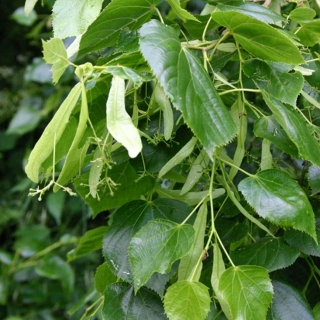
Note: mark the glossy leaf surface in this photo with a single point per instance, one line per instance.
(270, 253)
(188, 86)
(156, 246)
(120, 302)
(286, 207)
(258, 38)
(186, 300)
(247, 290)
(309, 33)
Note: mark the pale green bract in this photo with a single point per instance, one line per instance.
(119, 122)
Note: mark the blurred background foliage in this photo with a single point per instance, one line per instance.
(36, 281)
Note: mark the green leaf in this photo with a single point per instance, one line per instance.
(269, 128)
(104, 276)
(187, 300)
(275, 79)
(316, 311)
(180, 12)
(117, 16)
(119, 123)
(128, 187)
(78, 149)
(270, 253)
(72, 17)
(51, 134)
(55, 203)
(55, 268)
(191, 264)
(127, 221)
(304, 135)
(247, 290)
(258, 38)
(187, 84)
(55, 53)
(289, 304)
(285, 207)
(120, 302)
(309, 33)
(183, 153)
(302, 14)
(91, 241)
(314, 179)
(26, 20)
(304, 242)
(29, 5)
(253, 10)
(156, 246)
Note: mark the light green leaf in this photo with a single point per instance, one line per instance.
(258, 38)
(314, 179)
(285, 207)
(120, 302)
(115, 18)
(180, 12)
(309, 33)
(26, 20)
(91, 241)
(302, 14)
(156, 246)
(304, 242)
(187, 300)
(253, 10)
(78, 150)
(72, 17)
(29, 5)
(119, 122)
(269, 128)
(218, 269)
(196, 171)
(127, 221)
(95, 173)
(103, 277)
(182, 154)
(275, 79)
(55, 53)
(191, 264)
(304, 135)
(247, 290)
(289, 304)
(51, 134)
(266, 156)
(187, 84)
(270, 253)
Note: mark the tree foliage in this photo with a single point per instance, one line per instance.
(199, 133)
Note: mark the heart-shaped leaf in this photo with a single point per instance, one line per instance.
(156, 246)
(279, 199)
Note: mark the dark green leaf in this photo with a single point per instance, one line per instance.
(258, 38)
(156, 246)
(90, 242)
(314, 179)
(309, 33)
(304, 135)
(127, 188)
(196, 28)
(55, 203)
(253, 10)
(270, 253)
(269, 128)
(187, 300)
(117, 16)
(104, 276)
(285, 207)
(304, 242)
(247, 290)
(316, 311)
(275, 79)
(120, 302)
(127, 221)
(187, 85)
(289, 304)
